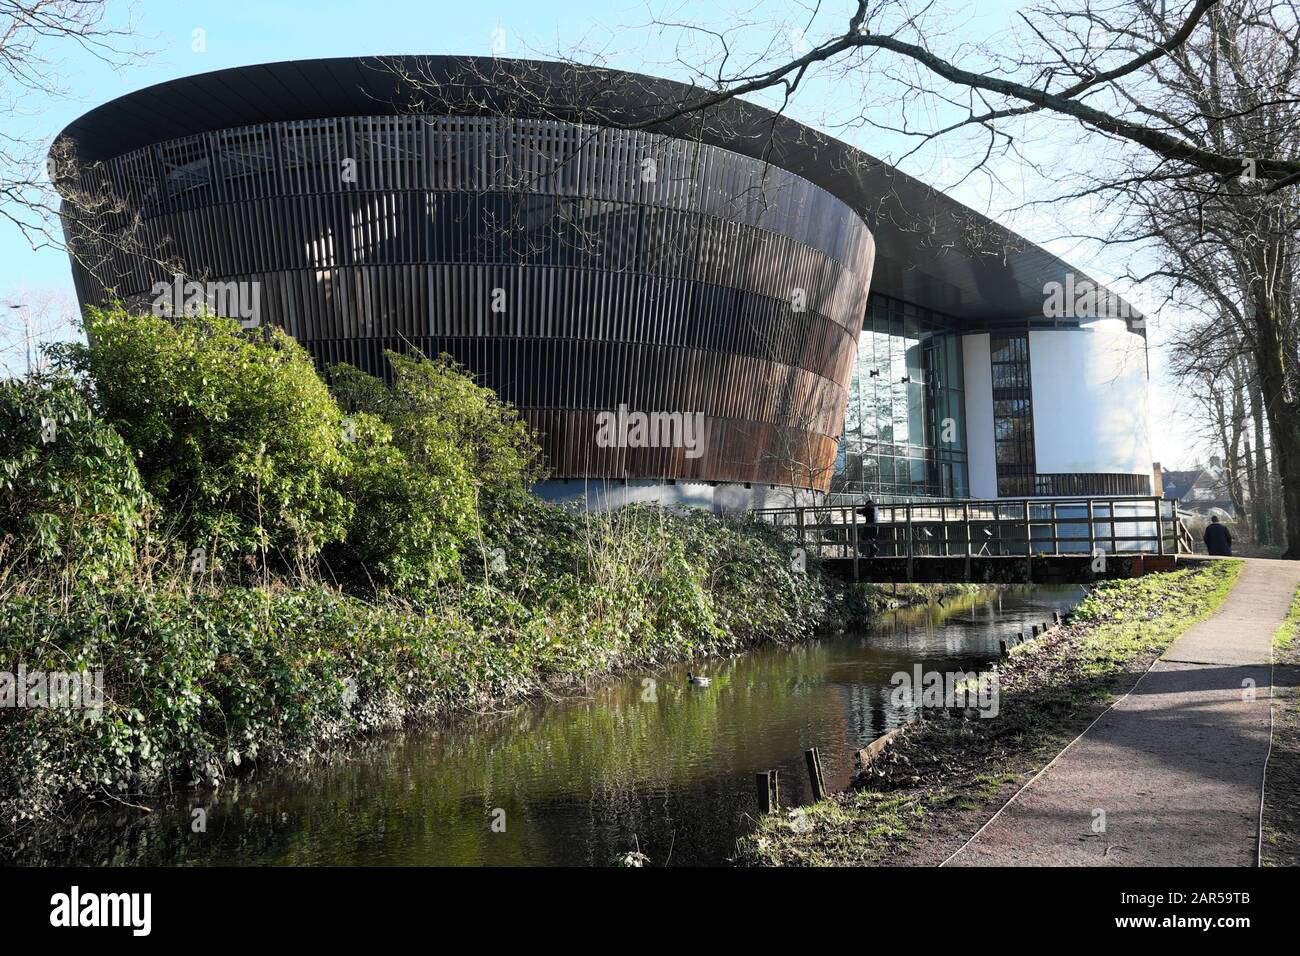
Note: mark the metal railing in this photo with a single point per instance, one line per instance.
(1001, 527)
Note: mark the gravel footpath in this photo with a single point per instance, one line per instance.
(1171, 775)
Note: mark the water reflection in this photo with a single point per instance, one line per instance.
(644, 761)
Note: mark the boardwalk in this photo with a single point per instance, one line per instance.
(1175, 767)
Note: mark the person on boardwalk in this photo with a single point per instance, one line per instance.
(1218, 539)
(869, 530)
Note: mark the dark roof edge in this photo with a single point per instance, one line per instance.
(931, 249)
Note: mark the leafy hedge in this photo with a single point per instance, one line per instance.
(70, 495)
(197, 683)
(236, 436)
(375, 559)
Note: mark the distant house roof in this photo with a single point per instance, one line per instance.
(1178, 483)
(1201, 489)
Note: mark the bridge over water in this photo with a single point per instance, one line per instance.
(1037, 540)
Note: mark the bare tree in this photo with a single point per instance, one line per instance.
(1088, 64)
(29, 320)
(1225, 250)
(32, 34)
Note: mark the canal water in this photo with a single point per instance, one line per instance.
(641, 762)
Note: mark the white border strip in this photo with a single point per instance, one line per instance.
(1263, 780)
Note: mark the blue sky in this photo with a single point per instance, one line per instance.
(239, 32)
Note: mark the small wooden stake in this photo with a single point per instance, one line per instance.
(1003, 646)
(1056, 617)
(818, 782)
(767, 786)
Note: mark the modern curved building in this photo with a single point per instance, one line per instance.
(716, 306)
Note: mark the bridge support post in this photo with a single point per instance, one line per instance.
(1029, 548)
(853, 537)
(909, 542)
(1160, 529)
(965, 520)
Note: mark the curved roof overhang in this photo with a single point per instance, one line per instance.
(931, 250)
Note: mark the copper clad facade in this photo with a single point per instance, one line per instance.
(573, 268)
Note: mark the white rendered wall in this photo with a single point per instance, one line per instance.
(978, 384)
(1089, 400)
(602, 494)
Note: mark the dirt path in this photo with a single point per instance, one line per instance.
(1170, 776)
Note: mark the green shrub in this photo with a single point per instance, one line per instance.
(71, 499)
(234, 433)
(244, 449)
(454, 429)
(402, 533)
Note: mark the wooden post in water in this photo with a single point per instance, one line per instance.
(1003, 646)
(1056, 617)
(763, 789)
(1034, 630)
(765, 786)
(815, 777)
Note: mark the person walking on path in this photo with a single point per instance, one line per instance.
(1218, 539)
(869, 530)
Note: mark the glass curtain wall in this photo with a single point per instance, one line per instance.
(904, 430)
(1013, 415)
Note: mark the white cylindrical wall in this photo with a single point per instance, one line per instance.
(1090, 400)
(978, 385)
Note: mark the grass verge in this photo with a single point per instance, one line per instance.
(1281, 824)
(934, 786)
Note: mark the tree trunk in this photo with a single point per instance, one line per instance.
(1283, 417)
(1249, 513)
(1262, 503)
(1230, 429)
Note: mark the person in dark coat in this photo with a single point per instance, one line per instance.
(1218, 539)
(869, 530)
